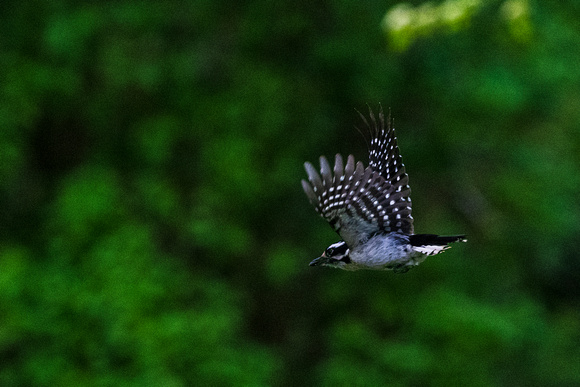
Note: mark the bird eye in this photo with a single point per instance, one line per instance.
(330, 251)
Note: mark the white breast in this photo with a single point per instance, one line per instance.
(383, 252)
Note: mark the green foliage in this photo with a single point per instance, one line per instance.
(153, 230)
(403, 24)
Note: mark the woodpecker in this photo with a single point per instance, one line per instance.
(370, 208)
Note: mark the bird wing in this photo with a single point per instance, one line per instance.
(357, 202)
(384, 156)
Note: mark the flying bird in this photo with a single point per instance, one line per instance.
(370, 208)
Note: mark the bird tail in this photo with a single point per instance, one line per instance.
(431, 244)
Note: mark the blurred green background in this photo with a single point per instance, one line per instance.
(153, 230)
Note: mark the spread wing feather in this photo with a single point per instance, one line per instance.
(357, 201)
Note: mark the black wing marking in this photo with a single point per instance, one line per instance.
(384, 156)
(357, 202)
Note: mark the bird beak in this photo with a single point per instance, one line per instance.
(318, 260)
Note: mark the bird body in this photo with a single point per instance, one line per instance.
(370, 208)
(390, 251)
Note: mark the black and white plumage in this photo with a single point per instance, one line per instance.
(370, 208)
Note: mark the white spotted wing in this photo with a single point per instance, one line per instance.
(359, 202)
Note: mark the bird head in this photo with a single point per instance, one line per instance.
(335, 255)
